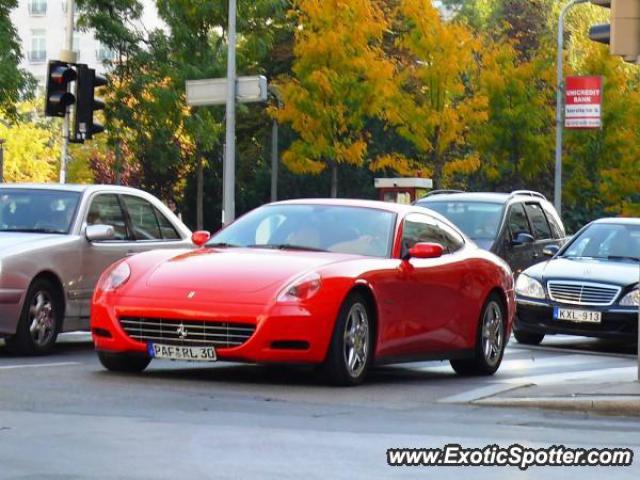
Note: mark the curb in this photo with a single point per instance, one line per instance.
(622, 405)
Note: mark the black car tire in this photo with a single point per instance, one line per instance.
(528, 338)
(40, 320)
(123, 362)
(480, 364)
(353, 331)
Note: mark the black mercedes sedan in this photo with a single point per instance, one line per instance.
(589, 287)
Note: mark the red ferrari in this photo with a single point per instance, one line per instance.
(339, 283)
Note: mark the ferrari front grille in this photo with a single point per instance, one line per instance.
(187, 332)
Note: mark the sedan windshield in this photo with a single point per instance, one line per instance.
(610, 241)
(478, 220)
(36, 210)
(331, 228)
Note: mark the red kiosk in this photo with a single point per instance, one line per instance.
(402, 190)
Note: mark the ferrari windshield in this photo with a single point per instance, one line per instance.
(611, 241)
(478, 220)
(37, 210)
(331, 228)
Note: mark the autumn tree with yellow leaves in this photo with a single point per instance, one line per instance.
(340, 78)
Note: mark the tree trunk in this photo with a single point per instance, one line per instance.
(200, 194)
(334, 180)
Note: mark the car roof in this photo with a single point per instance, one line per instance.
(470, 196)
(348, 202)
(69, 187)
(619, 220)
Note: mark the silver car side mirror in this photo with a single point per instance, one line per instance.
(96, 233)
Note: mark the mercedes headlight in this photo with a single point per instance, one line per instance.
(529, 287)
(631, 299)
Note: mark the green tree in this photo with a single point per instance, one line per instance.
(14, 82)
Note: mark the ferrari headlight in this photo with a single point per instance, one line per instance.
(301, 289)
(528, 287)
(631, 299)
(116, 277)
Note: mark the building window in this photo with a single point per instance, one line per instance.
(37, 7)
(38, 51)
(105, 54)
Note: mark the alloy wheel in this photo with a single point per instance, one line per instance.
(42, 320)
(356, 340)
(492, 333)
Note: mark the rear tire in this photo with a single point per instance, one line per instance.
(528, 338)
(351, 349)
(40, 320)
(490, 341)
(123, 362)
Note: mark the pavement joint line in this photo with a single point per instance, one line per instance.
(471, 396)
(570, 351)
(38, 365)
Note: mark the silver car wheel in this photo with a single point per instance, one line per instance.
(356, 340)
(42, 320)
(492, 333)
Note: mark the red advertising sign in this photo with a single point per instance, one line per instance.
(583, 105)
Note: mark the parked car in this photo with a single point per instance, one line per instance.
(342, 283)
(589, 287)
(55, 241)
(517, 226)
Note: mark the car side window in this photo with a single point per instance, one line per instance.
(556, 228)
(419, 229)
(518, 220)
(166, 227)
(538, 221)
(451, 240)
(105, 209)
(143, 218)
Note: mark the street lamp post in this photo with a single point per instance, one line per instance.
(1, 160)
(229, 167)
(557, 193)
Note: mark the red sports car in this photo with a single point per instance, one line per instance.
(339, 283)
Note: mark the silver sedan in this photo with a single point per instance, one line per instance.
(55, 241)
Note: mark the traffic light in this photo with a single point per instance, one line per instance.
(58, 97)
(87, 104)
(623, 33)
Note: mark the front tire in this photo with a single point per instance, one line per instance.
(123, 362)
(40, 320)
(351, 348)
(490, 341)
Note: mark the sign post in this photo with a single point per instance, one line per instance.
(583, 105)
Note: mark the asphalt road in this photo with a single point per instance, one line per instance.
(64, 417)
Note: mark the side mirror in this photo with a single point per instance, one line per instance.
(425, 250)
(200, 237)
(97, 233)
(550, 250)
(523, 238)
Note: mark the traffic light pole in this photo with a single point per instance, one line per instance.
(67, 55)
(557, 191)
(229, 167)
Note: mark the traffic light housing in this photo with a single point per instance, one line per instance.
(58, 97)
(87, 104)
(623, 33)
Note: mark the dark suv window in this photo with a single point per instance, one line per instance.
(518, 220)
(538, 221)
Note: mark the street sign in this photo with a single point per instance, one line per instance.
(583, 105)
(213, 91)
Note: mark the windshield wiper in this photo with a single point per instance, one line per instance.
(623, 257)
(288, 246)
(221, 245)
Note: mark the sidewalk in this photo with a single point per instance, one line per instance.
(614, 398)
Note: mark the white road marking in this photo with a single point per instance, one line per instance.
(38, 365)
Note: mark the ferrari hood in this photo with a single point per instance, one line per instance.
(236, 270)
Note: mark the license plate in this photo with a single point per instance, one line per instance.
(175, 352)
(573, 315)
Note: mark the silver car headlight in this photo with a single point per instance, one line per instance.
(631, 299)
(528, 287)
